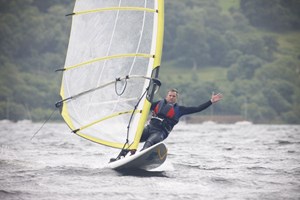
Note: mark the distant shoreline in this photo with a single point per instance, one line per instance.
(223, 119)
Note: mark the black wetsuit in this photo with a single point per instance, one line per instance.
(160, 126)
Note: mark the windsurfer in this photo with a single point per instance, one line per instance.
(166, 114)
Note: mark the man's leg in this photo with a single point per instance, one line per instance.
(154, 138)
(145, 134)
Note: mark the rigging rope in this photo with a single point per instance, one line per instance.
(124, 86)
(43, 124)
(125, 151)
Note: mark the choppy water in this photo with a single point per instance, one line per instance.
(204, 162)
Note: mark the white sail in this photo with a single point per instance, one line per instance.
(114, 49)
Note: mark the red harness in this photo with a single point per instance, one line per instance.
(164, 109)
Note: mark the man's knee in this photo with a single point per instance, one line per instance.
(145, 134)
(155, 138)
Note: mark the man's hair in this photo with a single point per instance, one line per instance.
(173, 90)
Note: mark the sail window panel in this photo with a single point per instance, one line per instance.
(138, 3)
(122, 67)
(92, 4)
(98, 105)
(103, 129)
(90, 37)
(138, 62)
(81, 79)
(105, 101)
(99, 73)
(82, 5)
(133, 33)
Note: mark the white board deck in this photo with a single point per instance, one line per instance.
(147, 159)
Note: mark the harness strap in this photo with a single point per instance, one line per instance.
(164, 109)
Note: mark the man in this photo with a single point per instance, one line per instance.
(166, 114)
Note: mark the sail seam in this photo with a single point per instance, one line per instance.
(140, 39)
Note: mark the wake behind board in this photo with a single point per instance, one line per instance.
(147, 159)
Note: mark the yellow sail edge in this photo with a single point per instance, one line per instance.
(68, 120)
(156, 63)
(64, 111)
(109, 58)
(159, 12)
(103, 142)
(115, 8)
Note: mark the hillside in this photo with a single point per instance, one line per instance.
(248, 50)
(252, 86)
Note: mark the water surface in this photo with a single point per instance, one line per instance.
(205, 161)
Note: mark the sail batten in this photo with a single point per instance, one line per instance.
(114, 47)
(115, 9)
(109, 58)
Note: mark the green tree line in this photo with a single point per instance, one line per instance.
(256, 47)
(252, 45)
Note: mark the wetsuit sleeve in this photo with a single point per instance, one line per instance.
(190, 110)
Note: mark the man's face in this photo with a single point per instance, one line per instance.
(171, 97)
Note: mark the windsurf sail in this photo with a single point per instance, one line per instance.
(110, 70)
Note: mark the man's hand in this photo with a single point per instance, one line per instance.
(216, 97)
